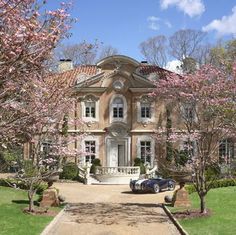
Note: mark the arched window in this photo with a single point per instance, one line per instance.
(118, 108)
(90, 109)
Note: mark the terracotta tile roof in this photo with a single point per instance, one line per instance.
(148, 69)
(71, 76)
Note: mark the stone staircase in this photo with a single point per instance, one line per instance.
(92, 179)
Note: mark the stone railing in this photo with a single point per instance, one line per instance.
(123, 170)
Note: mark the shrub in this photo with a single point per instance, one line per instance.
(213, 172)
(96, 162)
(70, 171)
(215, 184)
(22, 185)
(139, 162)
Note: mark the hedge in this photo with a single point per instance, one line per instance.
(20, 184)
(215, 184)
(70, 171)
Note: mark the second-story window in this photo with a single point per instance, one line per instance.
(188, 112)
(118, 108)
(145, 110)
(90, 109)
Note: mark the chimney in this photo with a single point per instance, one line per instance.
(64, 65)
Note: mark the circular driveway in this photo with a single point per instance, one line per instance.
(111, 210)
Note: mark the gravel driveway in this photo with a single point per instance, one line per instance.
(111, 210)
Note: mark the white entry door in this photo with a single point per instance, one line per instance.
(116, 153)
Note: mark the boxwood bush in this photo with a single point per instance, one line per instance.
(70, 171)
(216, 184)
(96, 162)
(139, 162)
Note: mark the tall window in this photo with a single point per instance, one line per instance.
(90, 148)
(189, 148)
(145, 110)
(226, 151)
(90, 109)
(46, 148)
(118, 108)
(188, 112)
(145, 151)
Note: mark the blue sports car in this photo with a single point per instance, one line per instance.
(154, 185)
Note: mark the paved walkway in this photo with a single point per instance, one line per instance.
(111, 210)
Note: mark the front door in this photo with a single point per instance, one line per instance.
(116, 152)
(121, 154)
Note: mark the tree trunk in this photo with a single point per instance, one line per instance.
(203, 204)
(31, 200)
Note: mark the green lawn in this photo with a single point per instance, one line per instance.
(222, 202)
(12, 220)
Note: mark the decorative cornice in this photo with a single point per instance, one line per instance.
(87, 131)
(142, 131)
(91, 89)
(141, 89)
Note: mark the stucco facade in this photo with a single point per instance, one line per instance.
(119, 116)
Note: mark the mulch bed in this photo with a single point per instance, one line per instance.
(190, 214)
(41, 212)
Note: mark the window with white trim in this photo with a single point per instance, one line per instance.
(189, 147)
(145, 151)
(90, 148)
(90, 109)
(145, 110)
(46, 148)
(226, 151)
(118, 108)
(188, 112)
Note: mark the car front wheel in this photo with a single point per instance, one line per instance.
(156, 188)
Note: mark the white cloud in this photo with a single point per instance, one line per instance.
(226, 25)
(153, 22)
(168, 24)
(189, 7)
(174, 66)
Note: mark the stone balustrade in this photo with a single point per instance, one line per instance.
(117, 175)
(124, 170)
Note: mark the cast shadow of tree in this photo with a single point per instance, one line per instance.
(113, 213)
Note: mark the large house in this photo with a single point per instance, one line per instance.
(120, 117)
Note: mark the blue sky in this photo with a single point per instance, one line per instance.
(124, 24)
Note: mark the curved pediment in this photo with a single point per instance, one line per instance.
(118, 61)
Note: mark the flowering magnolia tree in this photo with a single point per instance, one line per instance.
(205, 102)
(27, 39)
(34, 106)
